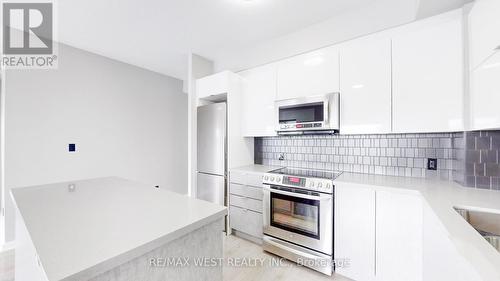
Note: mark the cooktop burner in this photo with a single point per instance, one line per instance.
(321, 174)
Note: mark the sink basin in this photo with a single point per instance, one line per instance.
(487, 224)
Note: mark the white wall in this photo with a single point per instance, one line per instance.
(198, 67)
(125, 121)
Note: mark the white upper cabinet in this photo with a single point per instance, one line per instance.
(365, 81)
(428, 71)
(484, 27)
(310, 74)
(213, 85)
(258, 96)
(485, 95)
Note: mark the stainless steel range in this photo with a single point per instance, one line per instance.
(298, 216)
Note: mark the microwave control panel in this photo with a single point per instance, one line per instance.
(301, 126)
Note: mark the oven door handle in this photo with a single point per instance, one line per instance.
(298, 195)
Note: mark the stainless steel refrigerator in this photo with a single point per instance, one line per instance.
(212, 151)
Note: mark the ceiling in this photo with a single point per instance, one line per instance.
(159, 34)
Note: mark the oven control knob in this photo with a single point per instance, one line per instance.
(266, 178)
(311, 184)
(272, 178)
(320, 185)
(278, 179)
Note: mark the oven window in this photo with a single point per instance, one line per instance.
(312, 112)
(295, 214)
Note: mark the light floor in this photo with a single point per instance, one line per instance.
(236, 248)
(239, 251)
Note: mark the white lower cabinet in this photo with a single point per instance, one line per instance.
(379, 233)
(398, 236)
(246, 221)
(441, 259)
(245, 204)
(355, 231)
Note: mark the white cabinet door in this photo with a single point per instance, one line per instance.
(398, 236)
(485, 94)
(310, 74)
(428, 73)
(259, 95)
(441, 260)
(365, 80)
(355, 231)
(484, 23)
(213, 85)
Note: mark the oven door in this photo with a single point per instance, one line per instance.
(300, 217)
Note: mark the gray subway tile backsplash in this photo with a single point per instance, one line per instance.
(479, 163)
(470, 158)
(394, 154)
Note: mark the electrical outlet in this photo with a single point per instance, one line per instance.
(157, 186)
(432, 164)
(71, 147)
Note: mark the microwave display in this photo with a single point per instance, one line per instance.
(313, 112)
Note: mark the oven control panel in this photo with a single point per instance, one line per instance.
(314, 184)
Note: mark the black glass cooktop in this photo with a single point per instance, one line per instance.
(307, 173)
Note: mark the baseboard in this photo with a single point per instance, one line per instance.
(8, 246)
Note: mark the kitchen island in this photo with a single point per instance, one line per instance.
(114, 229)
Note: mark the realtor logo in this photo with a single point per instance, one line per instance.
(35, 23)
(28, 35)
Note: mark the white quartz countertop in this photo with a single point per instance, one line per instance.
(441, 197)
(256, 168)
(104, 222)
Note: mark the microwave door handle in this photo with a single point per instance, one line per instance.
(326, 110)
(298, 195)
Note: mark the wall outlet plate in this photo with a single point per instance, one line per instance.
(432, 164)
(71, 147)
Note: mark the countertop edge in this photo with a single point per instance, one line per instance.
(143, 249)
(255, 168)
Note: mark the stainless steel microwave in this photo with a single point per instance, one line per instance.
(309, 114)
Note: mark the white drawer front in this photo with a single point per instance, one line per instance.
(246, 221)
(238, 177)
(245, 202)
(246, 191)
(255, 179)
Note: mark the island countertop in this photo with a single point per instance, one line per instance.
(84, 228)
